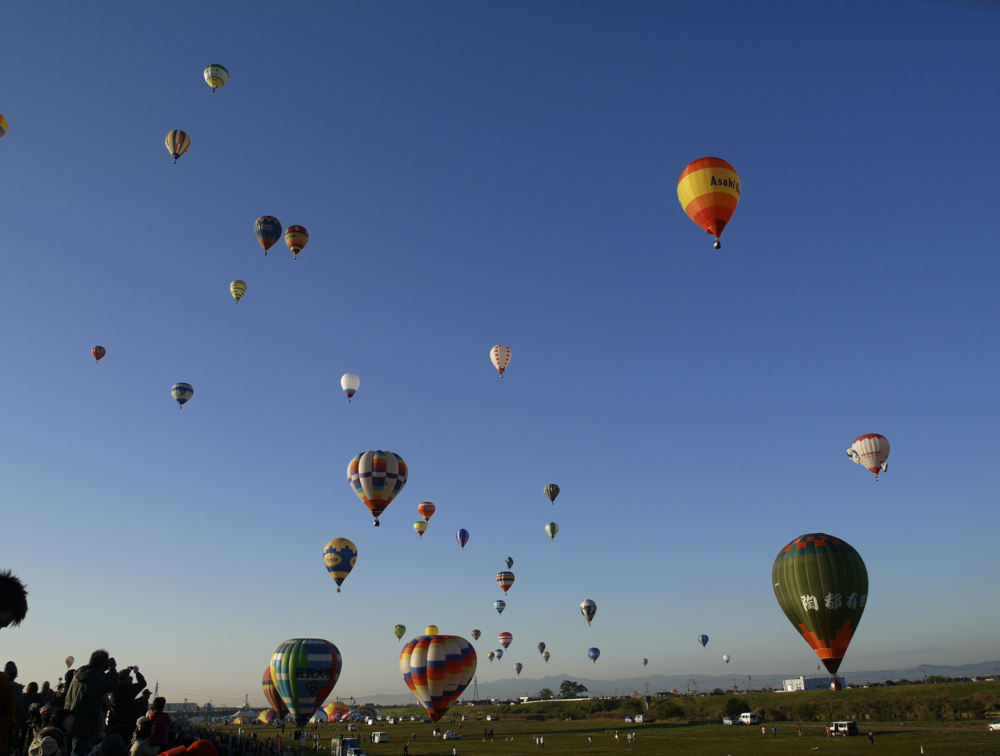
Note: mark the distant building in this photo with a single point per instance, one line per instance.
(810, 683)
(175, 708)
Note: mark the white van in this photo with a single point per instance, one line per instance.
(380, 737)
(844, 728)
(749, 718)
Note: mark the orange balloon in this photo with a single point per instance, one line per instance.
(709, 190)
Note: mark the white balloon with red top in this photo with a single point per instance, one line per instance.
(500, 355)
(870, 451)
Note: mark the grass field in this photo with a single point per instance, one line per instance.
(563, 738)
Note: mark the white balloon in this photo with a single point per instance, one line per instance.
(500, 355)
(350, 383)
(870, 451)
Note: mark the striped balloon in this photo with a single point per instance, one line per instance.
(304, 671)
(499, 653)
(505, 579)
(296, 237)
(505, 639)
(268, 230)
(821, 583)
(438, 669)
(499, 606)
(552, 491)
(552, 528)
(182, 393)
(216, 76)
(177, 144)
(518, 667)
(238, 288)
(709, 190)
(500, 355)
(268, 716)
(340, 556)
(350, 383)
(377, 477)
(420, 527)
(476, 634)
(271, 693)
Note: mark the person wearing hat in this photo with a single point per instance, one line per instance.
(141, 705)
(123, 700)
(85, 698)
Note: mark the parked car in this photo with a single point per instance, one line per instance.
(995, 725)
(628, 719)
(728, 721)
(844, 728)
(451, 735)
(355, 752)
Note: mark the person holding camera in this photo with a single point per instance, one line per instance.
(85, 698)
(123, 700)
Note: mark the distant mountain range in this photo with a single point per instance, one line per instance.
(514, 688)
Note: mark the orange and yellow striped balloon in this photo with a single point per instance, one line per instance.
(709, 190)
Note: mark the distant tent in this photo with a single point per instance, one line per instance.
(319, 716)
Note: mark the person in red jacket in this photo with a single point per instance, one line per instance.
(161, 724)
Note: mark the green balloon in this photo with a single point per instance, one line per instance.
(552, 491)
(398, 631)
(822, 586)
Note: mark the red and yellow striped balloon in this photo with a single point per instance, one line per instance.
(438, 669)
(709, 190)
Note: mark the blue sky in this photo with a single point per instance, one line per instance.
(474, 174)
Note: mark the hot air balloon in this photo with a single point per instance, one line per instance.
(709, 190)
(271, 693)
(645, 662)
(541, 648)
(821, 584)
(304, 671)
(238, 288)
(420, 527)
(499, 606)
(268, 231)
(296, 237)
(426, 510)
(399, 631)
(69, 661)
(268, 716)
(871, 451)
(340, 556)
(98, 353)
(182, 393)
(588, 609)
(552, 491)
(593, 653)
(518, 667)
(500, 355)
(552, 528)
(216, 76)
(377, 477)
(505, 639)
(703, 640)
(725, 658)
(505, 579)
(509, 562)
(546, 656)
(350, 383)
(463, 537)
(499, 653)
(177, 144)
(336, 709)
(3, 125)
(475, 635)
(438, 669)
(490, 655)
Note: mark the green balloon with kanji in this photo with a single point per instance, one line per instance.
(822, 585)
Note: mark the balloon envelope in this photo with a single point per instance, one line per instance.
(505, 579)
(398, 631)
(476, 634)
(271, 693)
(552, 528)
(505, 639)
(182, 393)
(546, 656)
(541, 648)
(420, 527)
(552, 491)
(216, 76)
(490, 655)
(703, 640)
(518, 667)
(463, 537)
(340, 556)
(350, 383)
(499, 653)
(98, 352)
(177, 144)
(296, 237)
(871, 452)
(821, 583)
(588, 609)
(238, 289)
(69, 661)
(509, 562)
(304, 671)
(499, 606)
(725, 658)
(377, 477)
(500, 355)
(426, 510)
(268, 230)
(438, 669)
(3, 125)
(709, 190)
(593, 653)
(645, 662)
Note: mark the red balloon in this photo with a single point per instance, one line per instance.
(98, 352)
(271, 693)
(426, 510)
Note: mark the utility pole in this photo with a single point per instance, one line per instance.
(156, 691)
(475, 688)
